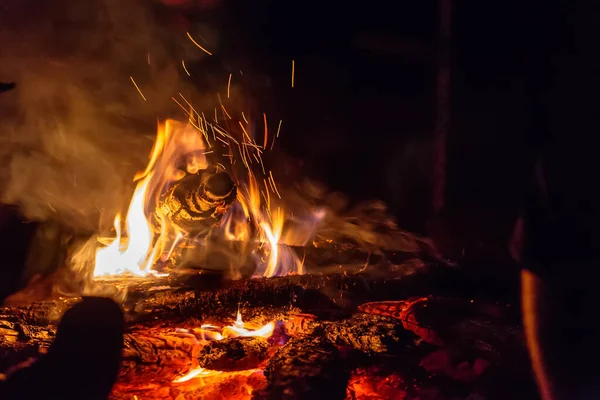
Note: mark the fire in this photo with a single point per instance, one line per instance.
(276, 258)
(150, 234)
(137, 252)
(238, 329)
(131, 254)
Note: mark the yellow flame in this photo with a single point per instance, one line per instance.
(136, 250)
(129, 255)
(149, 234)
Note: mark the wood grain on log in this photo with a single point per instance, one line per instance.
(305, 368)
(234, 354)
(369, 334)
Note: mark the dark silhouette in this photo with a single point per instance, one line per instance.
(82, 363)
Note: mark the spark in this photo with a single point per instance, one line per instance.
(221, 140)
(198, 44)
(148, 58)
(138, 88)
(182, 107)
(244, 130)
(266, 131)
(271, 184)
(244, 117)
(184, 68)
(274, 184)
(225, 111)
(293, 72)
(189, 104)
(262, 165)
(228, 85)
(277, 134)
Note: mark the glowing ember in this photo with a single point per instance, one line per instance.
(196, 372)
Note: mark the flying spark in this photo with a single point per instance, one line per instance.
(138, 88)
(184, 68)
(228, 85)
(198, 44)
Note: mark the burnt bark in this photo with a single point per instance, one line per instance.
(370, 334)
(303, 368)
(234, 354)
(203, 296)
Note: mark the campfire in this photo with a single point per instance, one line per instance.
(229, 294)
(239, 282)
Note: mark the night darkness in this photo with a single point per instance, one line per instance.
(523, 109)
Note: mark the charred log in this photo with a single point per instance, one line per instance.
(187, 296)
(305, 368)
(163, 353)
(197, 202)
(234, 354)
(370, 334)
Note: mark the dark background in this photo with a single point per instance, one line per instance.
(363, 112)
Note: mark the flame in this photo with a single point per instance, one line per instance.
(149, 236)
(138, 250)
(132, 255)
(269, 219)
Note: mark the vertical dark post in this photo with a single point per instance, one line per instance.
(443, 105)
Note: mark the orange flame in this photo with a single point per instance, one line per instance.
(137, 252)
(149, 234)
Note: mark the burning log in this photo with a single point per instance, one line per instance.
(163, 353)
(303, 368)
(234, 354)
(369, 334)
(188, 296)
(408, 313)
(197, 202)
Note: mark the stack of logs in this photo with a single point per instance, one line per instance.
(329, 341)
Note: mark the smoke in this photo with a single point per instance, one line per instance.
(75, 129)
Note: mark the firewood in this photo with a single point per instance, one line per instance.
(197, 202)
(370, 334)
(184, 296)
(305, 368)
(234, 354)
(407, 312)
(163, 353)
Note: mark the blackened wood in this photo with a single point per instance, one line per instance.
(234, 354)
(370, 334)
(186, 296)
(305, 368)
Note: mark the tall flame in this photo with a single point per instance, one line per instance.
(277, 258)
(137, 250)
(131, 254)
(257, 219)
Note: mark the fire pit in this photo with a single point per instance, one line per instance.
(296, 337)
(228, 294)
